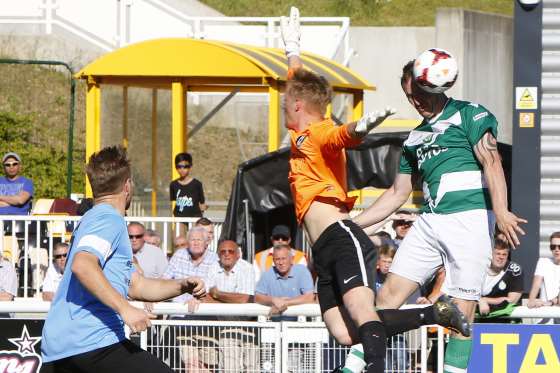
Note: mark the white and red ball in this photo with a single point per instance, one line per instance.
(435, 70)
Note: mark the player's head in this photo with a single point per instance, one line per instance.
(108, 172)
(500, 255)
(385, 258)
(183, 164)
(307, 94)
(425, 103)
(282, 258)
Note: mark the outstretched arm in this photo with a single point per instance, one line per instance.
(486, 151)
(291, 35)
(155, 290)
(390, 200)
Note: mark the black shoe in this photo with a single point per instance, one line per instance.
(448, 315)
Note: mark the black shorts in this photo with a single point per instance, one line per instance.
(344, 258)
(122, 357)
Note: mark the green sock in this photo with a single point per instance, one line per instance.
(355, 362)
(457, 355)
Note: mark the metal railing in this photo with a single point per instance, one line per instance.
(111, 24)
(28, 241)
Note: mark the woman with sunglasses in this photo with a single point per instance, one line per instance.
(186, 192)
(546, 281)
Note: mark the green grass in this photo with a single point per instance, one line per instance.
(361, 12)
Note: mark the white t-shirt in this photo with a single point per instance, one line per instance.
(550, 272)
(52, 279)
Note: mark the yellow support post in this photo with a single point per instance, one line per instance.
(125, 117)
(93, 135)
(357, 105)
(273, 117)
(154, 151)
(178, 133)
(328, 112)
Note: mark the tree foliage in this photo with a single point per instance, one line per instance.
(42, 162)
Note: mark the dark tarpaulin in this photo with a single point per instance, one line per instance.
(263, 183)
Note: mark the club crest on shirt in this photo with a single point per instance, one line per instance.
(300, 139)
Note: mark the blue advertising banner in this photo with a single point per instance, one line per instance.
(515, 348)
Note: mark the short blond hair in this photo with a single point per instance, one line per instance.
(313, 88)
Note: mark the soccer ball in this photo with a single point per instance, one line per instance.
(435, 70)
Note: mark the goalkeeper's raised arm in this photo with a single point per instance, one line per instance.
(291, 35)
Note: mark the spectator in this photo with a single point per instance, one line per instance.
(402, 221)
(8, 283)
(152, 259)
(285, 284)
(263, 259)
(194, 260)
(384, 260)
(180, 242)
(502, 287)
(16, 192)
(208, 225)
(55, 271)
(232, 280)
(546, 282)
(382, 238)
(152, 237)
(186, 192)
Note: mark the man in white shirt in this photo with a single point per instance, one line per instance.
(546, 282)
(152, 259)
(55, 271)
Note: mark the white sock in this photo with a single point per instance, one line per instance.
(355, 362)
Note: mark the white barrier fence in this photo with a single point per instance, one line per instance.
(215, 339)
(28, 241)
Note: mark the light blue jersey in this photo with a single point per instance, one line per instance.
(77, 321)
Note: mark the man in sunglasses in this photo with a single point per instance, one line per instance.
(16, 191)
(401, 225)
(545, 290)
(281, 235)
(55, 271)
(152, 259)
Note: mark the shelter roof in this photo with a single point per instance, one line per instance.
(209, 62)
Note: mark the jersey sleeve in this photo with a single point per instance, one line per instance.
(335, 138)
(101, 238)
(406, 163)
(479, 121)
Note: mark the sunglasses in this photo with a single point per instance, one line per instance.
(229, 251)
(403, 222)
(183, 166)
(554, 247)
(13, 164)
(135, 236)
(60, 256)
(280, 237)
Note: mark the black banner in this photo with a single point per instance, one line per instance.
(20, 345)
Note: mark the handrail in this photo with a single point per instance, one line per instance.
(31, 305)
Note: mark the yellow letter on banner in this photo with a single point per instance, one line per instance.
(540, 342)
(499, 351)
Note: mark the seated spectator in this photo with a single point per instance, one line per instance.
(152, 259)
(194, 260)
(402, 221)
(55, 271)
(232, 280)
(208, 225)
(263, 259)
(502, 287)
(16, 191)
(385, 257)
(152, 237)
(8, 280)
(546, 281)
(381, 238)
(285, 284)
(180, 242)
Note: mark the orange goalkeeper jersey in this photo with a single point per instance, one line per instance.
(318, 165)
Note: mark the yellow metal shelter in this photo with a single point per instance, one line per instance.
(182, 65)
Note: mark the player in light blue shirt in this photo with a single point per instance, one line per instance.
(84, 330)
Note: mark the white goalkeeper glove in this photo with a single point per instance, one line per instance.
(289, 28)
(372, 120)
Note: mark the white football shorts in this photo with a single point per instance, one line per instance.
(461, 242)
